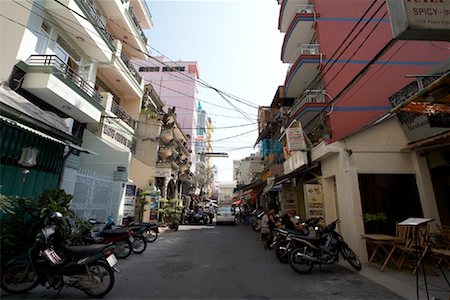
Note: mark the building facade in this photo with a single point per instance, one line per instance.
(73, 60)
(344, 153)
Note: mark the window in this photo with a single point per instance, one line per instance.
(148, 69)
(173, 69)
(43, 37)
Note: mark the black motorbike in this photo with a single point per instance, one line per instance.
(51, 263)
(321, 249)
(255, 219)
(283, 243)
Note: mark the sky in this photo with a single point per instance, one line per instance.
(237, 46)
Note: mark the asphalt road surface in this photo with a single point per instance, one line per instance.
(221, 262)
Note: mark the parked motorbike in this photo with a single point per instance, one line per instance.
(283, 243)
(255, 219)
(323, 249)
(122, 238)
(51, 263)
(150, 231)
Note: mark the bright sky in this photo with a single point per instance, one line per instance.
(237, 45)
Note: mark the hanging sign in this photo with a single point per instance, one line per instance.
(314, 201)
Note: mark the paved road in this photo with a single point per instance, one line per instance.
(222, 262)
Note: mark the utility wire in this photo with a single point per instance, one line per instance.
(148, 54)
(319, 76)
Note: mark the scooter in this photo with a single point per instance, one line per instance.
(51, 263)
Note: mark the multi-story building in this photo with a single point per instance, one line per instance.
(344, 154)
(176, 84)
(210, 175)
(73, 60)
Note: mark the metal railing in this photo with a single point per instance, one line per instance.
(136, 24)
(310, 97)
(130, 67)
(305, 49)
(122, 114)
(65, 70)
(95, 15)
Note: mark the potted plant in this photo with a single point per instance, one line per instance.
(374, 220)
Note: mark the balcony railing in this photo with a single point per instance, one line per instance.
(305, 49)
(65, 70)
(310, 97)
(130, 67)
(95, 15)
(122, 114)
(136, 24)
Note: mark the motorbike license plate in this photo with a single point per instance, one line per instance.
(112, 260)
(131, 239)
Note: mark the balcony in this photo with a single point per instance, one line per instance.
(288, 9)
(301, 31)
(78, 22)
(308, 106)
(56, 83)
(125, 25)
(121, 74)
(302, 72)
(142, 12)
(115, 111)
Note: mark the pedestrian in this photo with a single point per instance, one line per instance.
(271, 224)
(287, 222)
(211, 213)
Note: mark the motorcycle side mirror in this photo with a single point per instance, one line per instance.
(297, 218)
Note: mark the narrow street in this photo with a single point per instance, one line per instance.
(221, 262)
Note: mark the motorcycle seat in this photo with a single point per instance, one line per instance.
(306, 237)
(117, 231)
(85, 250)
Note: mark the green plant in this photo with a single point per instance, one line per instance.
(379, 217)
(24, 217)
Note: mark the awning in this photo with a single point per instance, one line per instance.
(440, 140)
(45, 136)
(432, 99)
(302, 169)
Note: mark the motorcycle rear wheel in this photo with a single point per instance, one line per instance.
(298, 263)
(124, 248)
(139, 244)
(352, 259)
(18, 278)
(152, 235)
(105, 274)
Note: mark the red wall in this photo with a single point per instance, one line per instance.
(367, 99)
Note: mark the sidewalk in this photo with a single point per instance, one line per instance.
(403, 283)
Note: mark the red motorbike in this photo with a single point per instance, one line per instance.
(121, 237)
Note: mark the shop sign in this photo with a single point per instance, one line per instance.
(295, 139)
(420, 19)
(130, 199)
(314, 201)
(153, 200)
(163, 172)
(288, 198)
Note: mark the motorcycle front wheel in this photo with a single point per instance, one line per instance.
(351, 257)
(281, 251)
(152, 235)
(18, 278)
(139, 244)
(103, 277)
(124, 248)
(298, 263)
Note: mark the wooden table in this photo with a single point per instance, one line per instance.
(382, 242)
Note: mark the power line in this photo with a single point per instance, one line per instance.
(321, 75)
(148, 54)
(95, 45)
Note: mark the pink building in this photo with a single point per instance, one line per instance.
(176, 85)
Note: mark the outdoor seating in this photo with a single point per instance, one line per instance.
(414, 252)
(402, 241)
(443, 252)
(382, 246)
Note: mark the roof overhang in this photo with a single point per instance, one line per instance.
(432, 99)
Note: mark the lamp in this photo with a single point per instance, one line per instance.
(28, 157)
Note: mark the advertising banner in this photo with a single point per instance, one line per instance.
(314, 201)
(130, 200)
